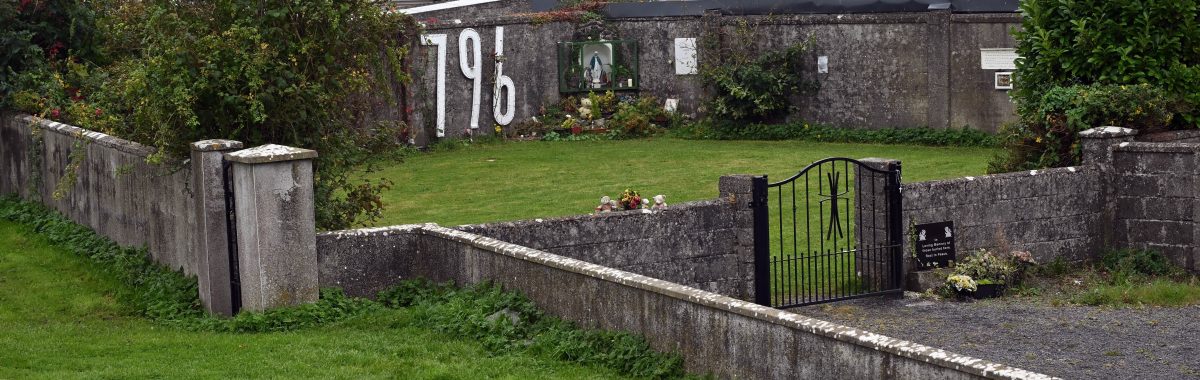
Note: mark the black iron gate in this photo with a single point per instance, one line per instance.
(831, 232)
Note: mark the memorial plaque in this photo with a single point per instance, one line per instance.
(934, 244)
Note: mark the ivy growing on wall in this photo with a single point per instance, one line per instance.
(750, 82)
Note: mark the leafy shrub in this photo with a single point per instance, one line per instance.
(41, 35)
(1074, 57)
(1131, 263)
(641, 117)
(757, 89)
(1048, 133)
(306, 74)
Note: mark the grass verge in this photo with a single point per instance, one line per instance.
(77, 305)
(1121, 278)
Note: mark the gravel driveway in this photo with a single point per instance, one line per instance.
(1072, 342)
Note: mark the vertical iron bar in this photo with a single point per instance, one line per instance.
(762, 249)
(895, 210)
(807, 280)
(821, 207)
(859, 228)
(877, 258)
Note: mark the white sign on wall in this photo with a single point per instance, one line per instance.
(998, 59)
(685, 56)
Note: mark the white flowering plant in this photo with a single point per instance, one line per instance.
(960, 282)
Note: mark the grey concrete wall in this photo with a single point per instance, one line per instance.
(715, 334)
(974, 100)
(1155, 199)
(366, 261)
(116, 193)
(693, 243)
(1055, 213)
(488, 10)
(885, 70)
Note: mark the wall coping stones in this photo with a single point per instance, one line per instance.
(985, 18)
(270, 153)
(401, 229)
(862, 338)
(1020, 174)
(615, 214)
(1157, 147)
(216, 145)
(90, 136)
(1107, 132)
(1169, 136)
(730, 20)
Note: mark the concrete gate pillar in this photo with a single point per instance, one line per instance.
(212, 227)
(275, 226)
(873, 261)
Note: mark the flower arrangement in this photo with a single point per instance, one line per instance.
(962, 282)
(630, 200)
(987, 269)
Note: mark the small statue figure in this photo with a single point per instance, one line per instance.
(606, 205)
(645, 203)
(660, 202)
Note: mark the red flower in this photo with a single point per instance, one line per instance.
(97, 112)
(54, 113)
(54, 49)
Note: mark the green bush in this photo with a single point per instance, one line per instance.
(1129, 263)
(1075, 55)
(1047, 136)
(640, 117)
(303, 73)
(748, 85)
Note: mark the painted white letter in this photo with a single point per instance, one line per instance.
(470, 38)
(439, 40)
(503, 82)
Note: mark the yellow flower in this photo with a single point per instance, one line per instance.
(498, 128)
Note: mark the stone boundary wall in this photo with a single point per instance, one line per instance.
(692, 244)
(116, 193)
(1054, 213)
(715, 334)
(1155, 199)
(932, 77)
(178, 211)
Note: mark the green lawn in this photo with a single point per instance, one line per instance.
(523, 180)
(59, 319)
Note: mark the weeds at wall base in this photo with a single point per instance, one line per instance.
(502, 321)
